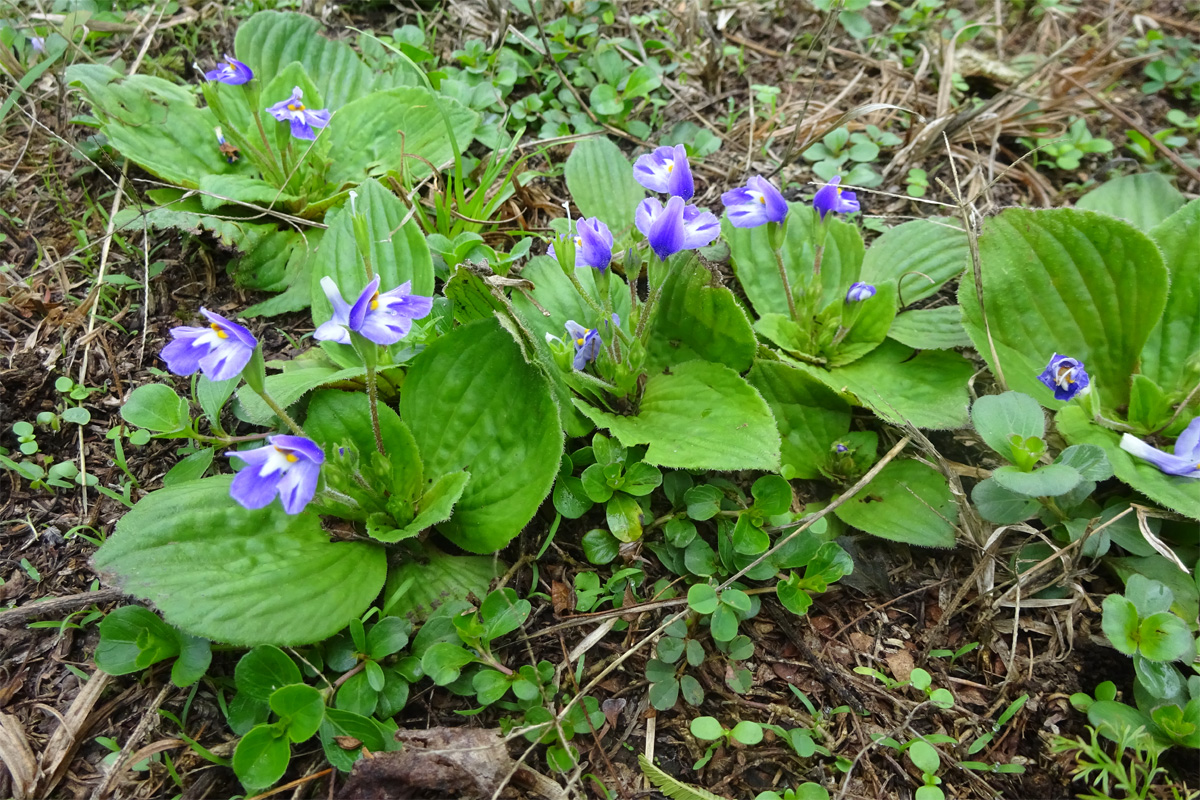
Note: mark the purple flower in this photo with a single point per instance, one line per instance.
(382, 318)
(1066, 376)
(587, 343)
(232, 72)
(220, 351)
(832, 197)
(859, 291)
(756, 203)
(288, 466)
(593, 244)
(841, 448)
(676, 226)
(303, 119)
(1185, 462)
(666, 170)
(38, 43)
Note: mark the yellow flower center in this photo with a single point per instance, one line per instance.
(220, 331)
(374, 301)
(579, 341)
(579, 241)
(295, 106)
(1064, 378)
(670, 166)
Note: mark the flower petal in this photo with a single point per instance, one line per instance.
(1188, 444)
(298, 485)
(679, 177)
(647, 211)
(252, 490)
(1170, 464)
(667, 234)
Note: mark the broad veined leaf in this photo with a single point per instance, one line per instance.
(998, 417)
(418, 586)
(220, 189)
(474, 403)
(217, 570)
(930, 328)
(381, 132)
(906, 502)
(809, 415)
(927, 389)
(699, 415)
(696, 317)
(154, 123)
(270, 40)
(398, 251)
(1145, 199)
(758, 271)
(1078, 283)
(922, 255)
(1175, 492)
(1174, 344)
(601, 182)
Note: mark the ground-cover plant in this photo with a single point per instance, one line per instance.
(417, 413)
(1115, 300)
(292, 122)
(1068, 150)
(1140, 623)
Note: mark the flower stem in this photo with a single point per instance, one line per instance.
(787, 286)
(262, 132)
(374, 404)
(591, 301)
(820, 253)
(279, 412)
(646, 309)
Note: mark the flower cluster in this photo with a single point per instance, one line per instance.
(676, 226)
(292, 110)
(289, 466)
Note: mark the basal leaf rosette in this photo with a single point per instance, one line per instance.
(217, 570)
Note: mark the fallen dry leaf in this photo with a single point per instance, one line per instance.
(450, 762)
(17, 756)
(900, 663)
(562, 596)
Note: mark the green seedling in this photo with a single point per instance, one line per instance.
(709, 729)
